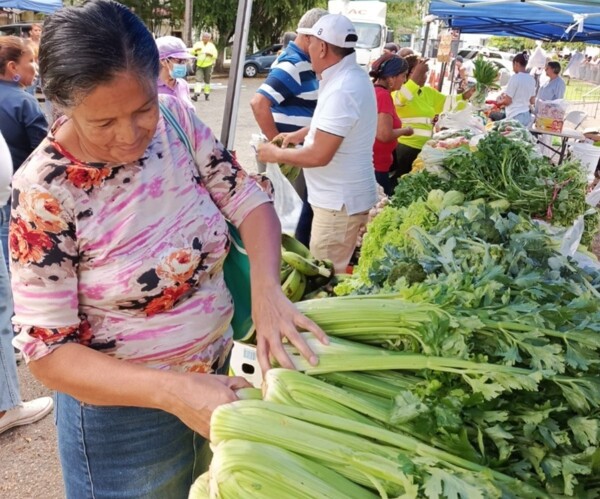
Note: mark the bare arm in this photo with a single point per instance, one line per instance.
(274, 316)
(385, 132)
(261, 107)
(319, 153)
(504, 100)
(96, 378)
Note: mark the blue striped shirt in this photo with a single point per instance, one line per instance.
(292, 87)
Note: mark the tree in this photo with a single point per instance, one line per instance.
(269, 20)
(518, 44)
(405, 17)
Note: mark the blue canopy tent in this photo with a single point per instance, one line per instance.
(546, 20)
(43, 6)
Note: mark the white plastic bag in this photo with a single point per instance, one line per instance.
(288, 204)
(461, 120)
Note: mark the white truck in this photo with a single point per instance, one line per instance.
(368, 16)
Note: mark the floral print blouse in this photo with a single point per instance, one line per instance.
(127, 258)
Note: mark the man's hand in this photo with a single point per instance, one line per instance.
(268, 152)
(419, 72)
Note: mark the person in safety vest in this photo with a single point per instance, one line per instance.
(206, 55)
(418, 106)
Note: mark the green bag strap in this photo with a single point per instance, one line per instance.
(168, 115)
(235, 238)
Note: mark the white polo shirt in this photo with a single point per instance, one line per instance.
(347, 108)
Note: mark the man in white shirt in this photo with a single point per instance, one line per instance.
(338, 145)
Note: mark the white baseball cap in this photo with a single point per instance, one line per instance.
(335, 29)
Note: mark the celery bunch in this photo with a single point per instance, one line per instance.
(392, 464)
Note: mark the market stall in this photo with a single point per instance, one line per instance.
(464, 354)
(548, 20)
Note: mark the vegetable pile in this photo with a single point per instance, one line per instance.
(469, 367)
(464, 354)
(503, 168)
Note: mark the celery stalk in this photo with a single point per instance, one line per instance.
(242, 468)
(295, 427)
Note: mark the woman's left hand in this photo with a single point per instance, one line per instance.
(276, 318)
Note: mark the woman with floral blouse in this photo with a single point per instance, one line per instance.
(118, 237)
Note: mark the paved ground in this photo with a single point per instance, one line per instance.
(29, 466)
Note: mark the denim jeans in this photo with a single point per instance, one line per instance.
(125, 452)
(4, 221)
(9, 383)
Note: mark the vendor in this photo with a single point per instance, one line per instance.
(520, 92)
(555, 87)
(418, 106)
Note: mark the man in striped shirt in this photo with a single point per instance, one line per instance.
(287, 99)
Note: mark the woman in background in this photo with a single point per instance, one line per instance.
(173, 57)
(389, 74)
(519, 95)
(417, 106)
(22, 122)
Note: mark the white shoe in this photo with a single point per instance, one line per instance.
(26, 413)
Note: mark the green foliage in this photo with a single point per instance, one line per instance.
(271, 18)
(404, 17)
(518, 44)
(512, 43)
(508, 170)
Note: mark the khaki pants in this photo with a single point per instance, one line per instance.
(334, 235)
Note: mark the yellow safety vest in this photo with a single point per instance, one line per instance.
(417, 107)
(205, 54)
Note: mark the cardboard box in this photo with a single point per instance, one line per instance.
(549, 124)
(244, 363)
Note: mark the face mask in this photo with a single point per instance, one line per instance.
(179, 71)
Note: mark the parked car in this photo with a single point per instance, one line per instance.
(18, 29)
(260, 62)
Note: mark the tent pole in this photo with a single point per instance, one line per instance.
(425, 36)
(187, 23)
(441, 78)
(234, 86)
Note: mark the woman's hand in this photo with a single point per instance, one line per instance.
(406, 131)
(275, 319)
(198, 395)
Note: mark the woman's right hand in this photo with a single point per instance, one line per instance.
(198, 395)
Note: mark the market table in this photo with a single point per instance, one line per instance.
(565, 135)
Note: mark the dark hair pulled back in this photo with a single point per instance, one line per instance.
(86, 46)
(12, 49)
(521, 59)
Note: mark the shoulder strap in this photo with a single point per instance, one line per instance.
(236, 239)
(168, 115)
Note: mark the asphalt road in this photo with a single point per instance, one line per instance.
(29, 465)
